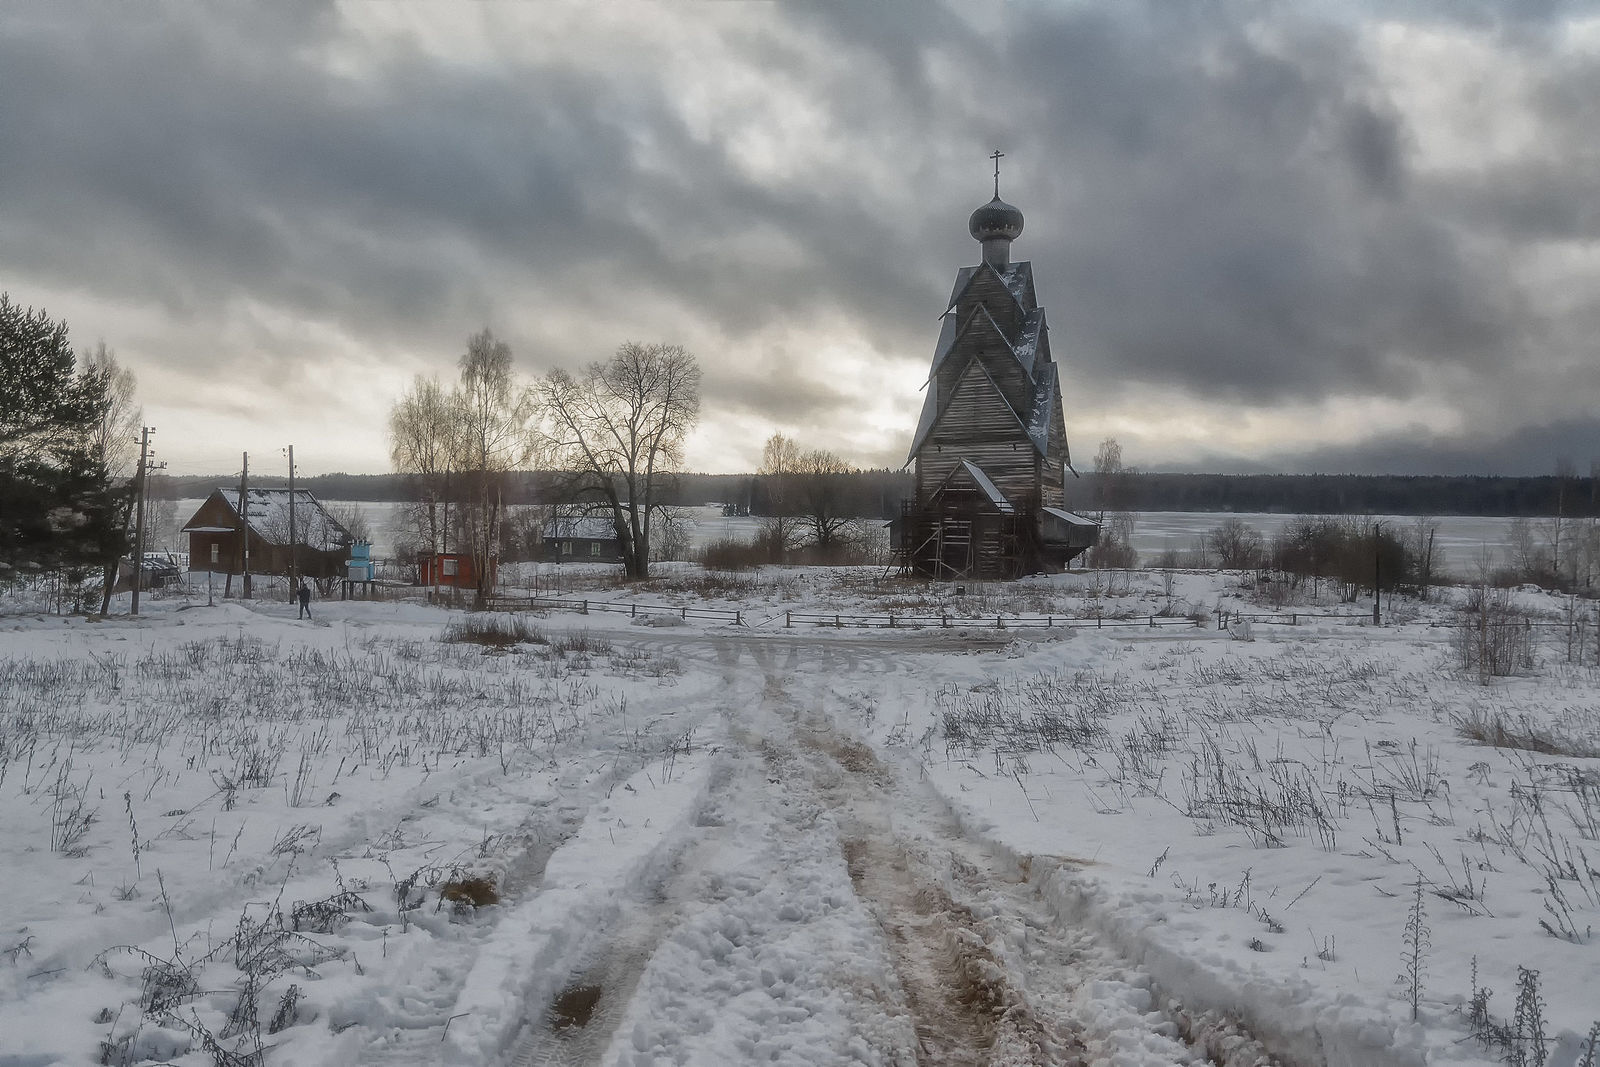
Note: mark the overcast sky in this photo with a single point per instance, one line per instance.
(1268, 236)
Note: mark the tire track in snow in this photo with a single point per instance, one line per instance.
(967, 1008)
(413, 1036)
(739, 953)
(992, 977)
(577, 1026)
(580, 1022)
(986, 975)
(963, 1006)
(964, 1009)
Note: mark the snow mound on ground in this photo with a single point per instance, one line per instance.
(657, 620)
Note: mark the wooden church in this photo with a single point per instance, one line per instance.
(990, 451)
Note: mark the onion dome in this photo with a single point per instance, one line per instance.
(996, 219)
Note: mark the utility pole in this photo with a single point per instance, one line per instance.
(244, 523)
(294, 569)
(138, 515)
(492, 560)
(1377, 573)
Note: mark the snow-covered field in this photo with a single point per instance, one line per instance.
(231, 837)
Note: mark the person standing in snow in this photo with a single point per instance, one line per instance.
(305, 600)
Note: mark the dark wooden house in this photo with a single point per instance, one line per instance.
(581, 539)
(990, 450)
(218, 536)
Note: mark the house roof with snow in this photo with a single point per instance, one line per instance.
(267, 512)
(588, 527)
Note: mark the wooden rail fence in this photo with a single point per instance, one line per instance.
(586, 607)
(998, 622)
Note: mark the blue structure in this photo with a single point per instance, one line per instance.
(359, 567)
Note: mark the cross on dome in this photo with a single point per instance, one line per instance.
(996, 224)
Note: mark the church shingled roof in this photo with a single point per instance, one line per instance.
(1036, 421)
(1026, 345)
(990, 490)
(1040, 419)
(984, 484)
(1016, 277)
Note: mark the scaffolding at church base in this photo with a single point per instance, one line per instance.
(960, 536)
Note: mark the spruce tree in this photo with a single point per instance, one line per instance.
(57, 501)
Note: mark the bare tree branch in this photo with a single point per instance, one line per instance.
(619, 427)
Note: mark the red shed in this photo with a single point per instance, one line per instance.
(453, 569)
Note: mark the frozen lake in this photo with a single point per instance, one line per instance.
(1460, 537)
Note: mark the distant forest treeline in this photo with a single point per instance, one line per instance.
(1361, 494)
(866, 493)
(879, 492)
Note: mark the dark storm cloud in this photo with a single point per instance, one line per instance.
(1223, 200)
(778, 390)
(1553, 193)
(1535, 449)
(204, 163)
(1238, 219)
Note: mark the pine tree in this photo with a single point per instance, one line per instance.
(57, 504)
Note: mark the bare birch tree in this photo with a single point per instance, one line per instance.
(424, 443)
(495, 436)
(1113, 495)
(114, 442)
(1425, 557)
(1558, 528)
(618, 427)
(781, 526)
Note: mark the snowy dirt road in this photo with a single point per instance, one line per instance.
(819, 904)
